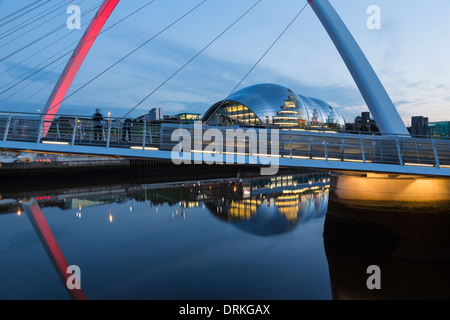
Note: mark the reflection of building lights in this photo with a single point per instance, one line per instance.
(190, 204)
(110, 215)
(19, 212)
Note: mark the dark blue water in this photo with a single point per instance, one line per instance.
(261, 241)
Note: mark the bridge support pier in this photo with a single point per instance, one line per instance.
(393, 216)
(393, 190)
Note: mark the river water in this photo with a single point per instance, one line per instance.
(215, 239)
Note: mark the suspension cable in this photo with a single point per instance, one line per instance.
(195, 56)
(39, 70)
(42, 62)
(42, 75)
(129, 54)
(262, 57)
(19, 10)
(30, 23)
(24, 13)
(44, 36)
(75, 42)
(104, 30)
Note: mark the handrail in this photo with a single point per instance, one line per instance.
(293, 143)
(266, 126)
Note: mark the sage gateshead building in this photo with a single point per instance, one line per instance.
(271, 105)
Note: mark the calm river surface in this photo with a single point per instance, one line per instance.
(216, 239)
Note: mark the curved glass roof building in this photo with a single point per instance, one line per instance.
(274, 105)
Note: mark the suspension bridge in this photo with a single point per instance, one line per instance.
(394, 151)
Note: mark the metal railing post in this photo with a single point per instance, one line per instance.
(39, 133)
(161, 132)
(150, 135)
(58, 134)
(363, 153)
(5, 134)
(436, 157)
(74, 132)
(400, 158)
(310, 147)
(108, 137)
(290, 143)
(325, 149)
(144, 133)
(417, 152)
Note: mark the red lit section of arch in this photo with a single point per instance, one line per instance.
(65, 80)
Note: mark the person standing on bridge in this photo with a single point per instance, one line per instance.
(98, 125)
(126, 130)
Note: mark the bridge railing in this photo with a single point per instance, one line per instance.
(293, 143)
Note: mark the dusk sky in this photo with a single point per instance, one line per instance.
(409, 53)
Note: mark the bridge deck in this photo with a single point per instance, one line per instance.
(291, 147)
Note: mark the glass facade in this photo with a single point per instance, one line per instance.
(274, 105)
(439, 129)
(233, 113)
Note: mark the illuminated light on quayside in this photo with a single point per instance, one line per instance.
(419, 164)
(146, 148)
(56, 142)
(267, 155)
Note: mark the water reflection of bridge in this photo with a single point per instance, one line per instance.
(240, 198)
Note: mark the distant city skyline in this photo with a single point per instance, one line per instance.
(409, 53)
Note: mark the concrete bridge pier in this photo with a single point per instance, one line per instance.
(393, 190)
(398, 216)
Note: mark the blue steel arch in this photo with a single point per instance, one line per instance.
(380, 104)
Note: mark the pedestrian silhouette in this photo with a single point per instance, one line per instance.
(98, 125)
(126, 130)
